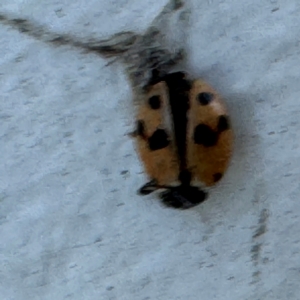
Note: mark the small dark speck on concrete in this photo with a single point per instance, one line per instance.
(105, 171)
(262, 222)
(124, 172)
(256, 274)
(5, 117)
(275, 9)
(177, 4)
(73, 266)
(265, 260)
(259, 100)
(284, 131)
(255, 277)
(19, 58)
(3, 197)
(205, 238)
(109, 288)
(98, 240)
(121, 204)
(260, 230)
(255, 250)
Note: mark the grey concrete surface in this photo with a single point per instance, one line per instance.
(71, 224)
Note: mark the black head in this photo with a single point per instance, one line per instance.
(183, 196)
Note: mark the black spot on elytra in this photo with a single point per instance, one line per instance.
(140, 128)
(217, 176)
(205, 98)
(183, 197)
(204, 135)
(223, 123)
(158, 140)
(154, 102)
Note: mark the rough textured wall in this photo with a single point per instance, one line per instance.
(72, 226)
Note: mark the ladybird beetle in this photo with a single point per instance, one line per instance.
(184, 139)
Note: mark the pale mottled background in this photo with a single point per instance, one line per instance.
(71, 224)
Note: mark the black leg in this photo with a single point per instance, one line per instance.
(148, 188)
